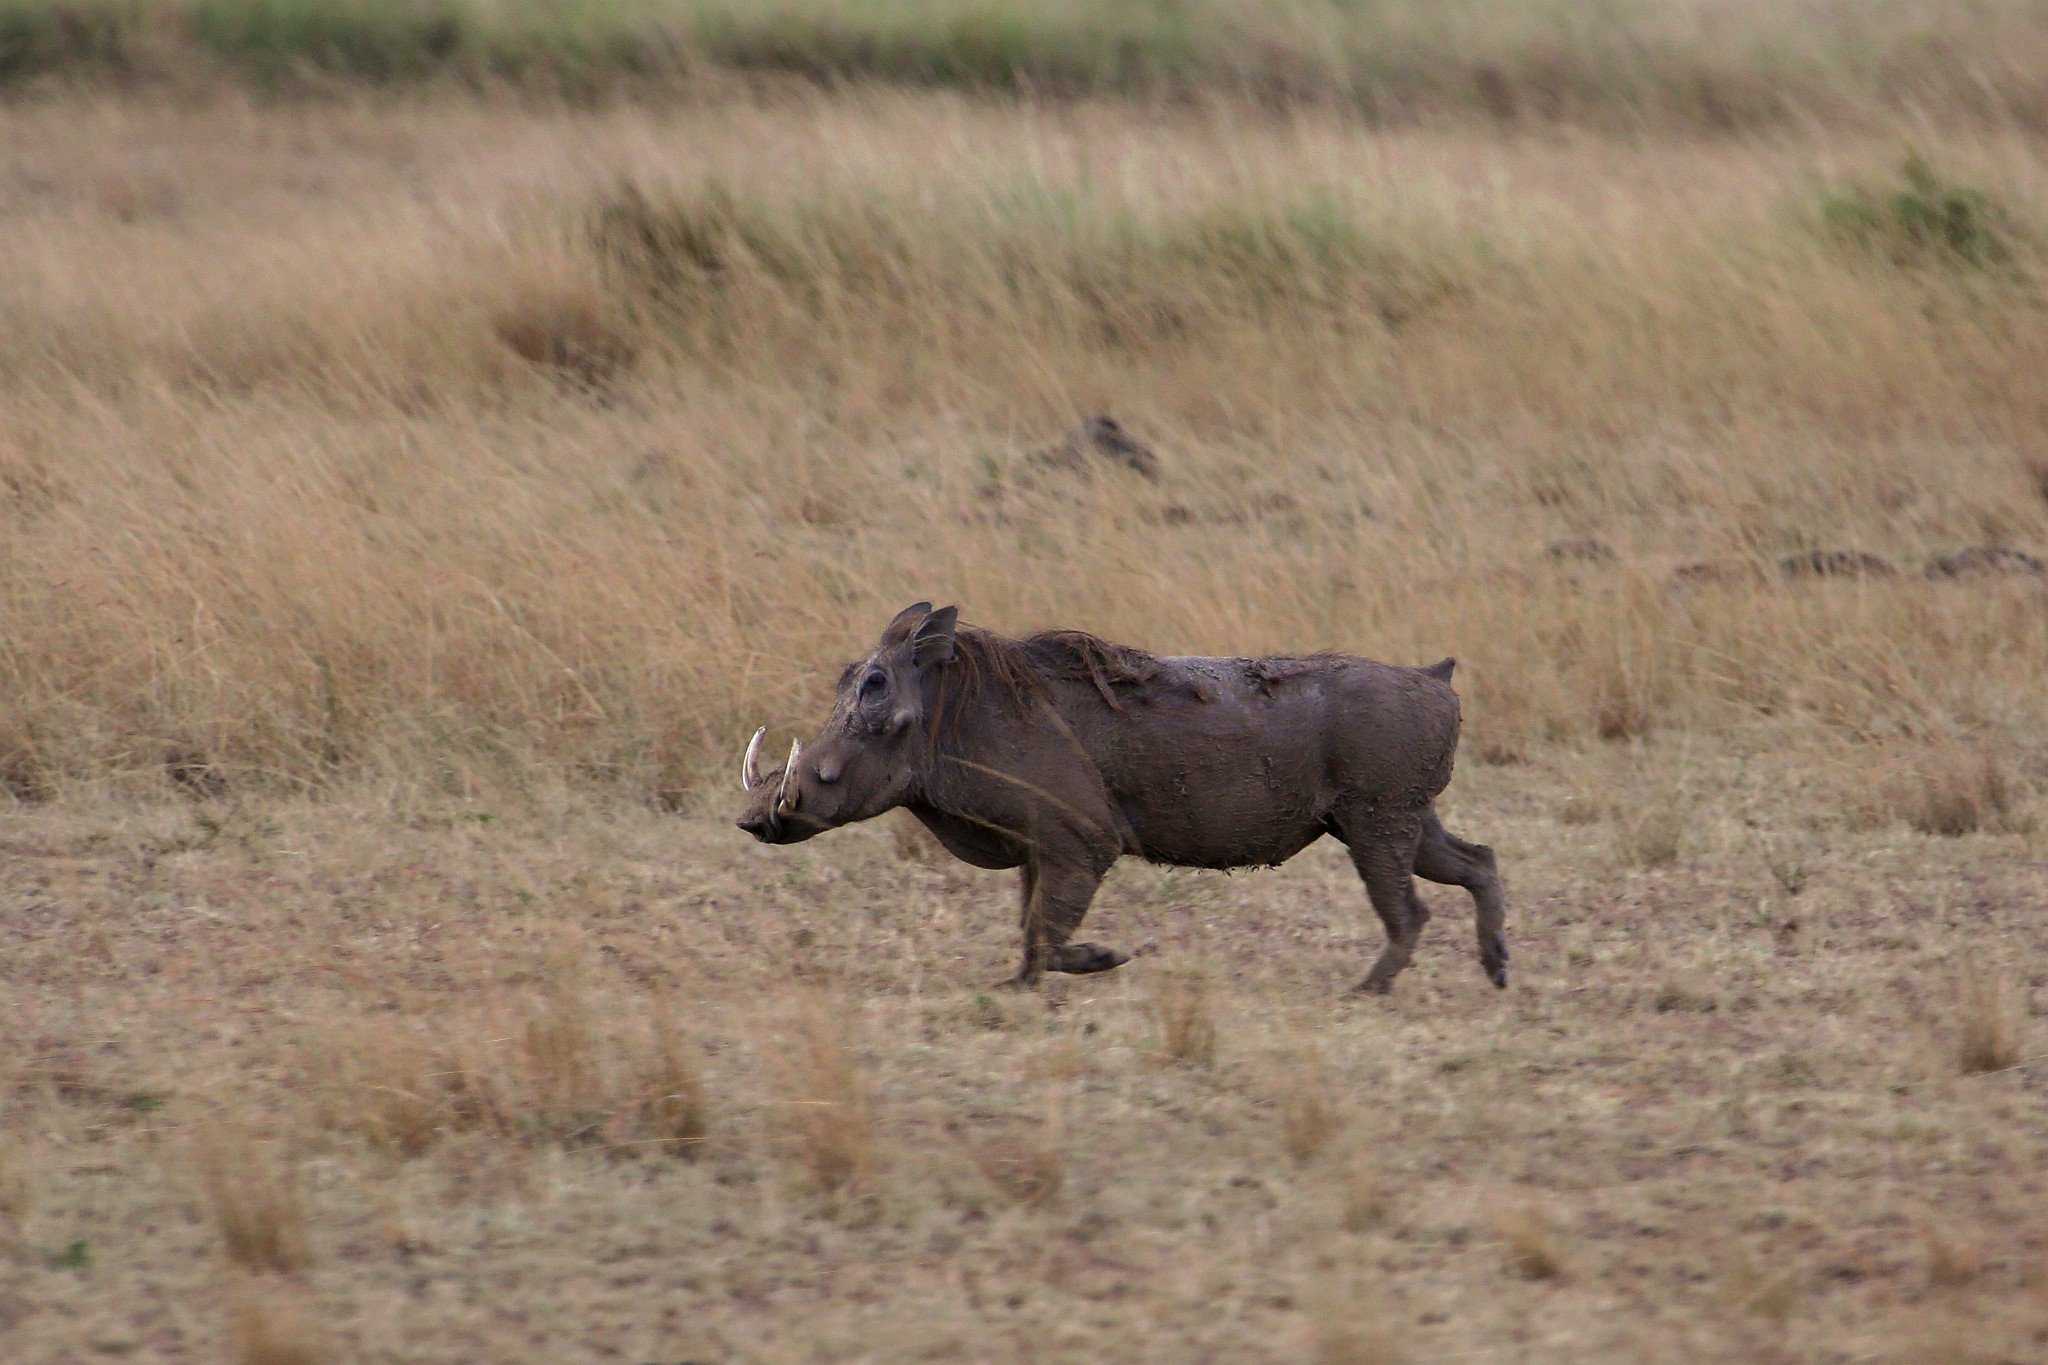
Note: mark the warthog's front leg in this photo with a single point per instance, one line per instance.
(1055, 896)
(1081, 959)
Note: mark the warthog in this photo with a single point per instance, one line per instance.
(1059, 753)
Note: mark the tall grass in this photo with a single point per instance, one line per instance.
(592, 466)
(1716, 66)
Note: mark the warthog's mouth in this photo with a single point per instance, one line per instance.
(764, 827)
(769, 824)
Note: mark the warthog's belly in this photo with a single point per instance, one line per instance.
(1196, 840)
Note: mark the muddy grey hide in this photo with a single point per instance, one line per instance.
(1059, 753)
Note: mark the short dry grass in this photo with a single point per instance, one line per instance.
(882, 1151)
(408, 508)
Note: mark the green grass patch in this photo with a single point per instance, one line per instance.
(1629, 63)
(705, 256)
(1919, 217)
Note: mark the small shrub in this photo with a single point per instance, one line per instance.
(17, 1188)
(1685, 996)
(1364, 1194)
(1768, 1294)
(270, 1327)
(550, 1069)
(1579, 810)
(385, 1083)
(2034, 468)
(823, 1107)
(582, 338)
(1529, 1239)
(1622, 709)
(1953, 1259)
(1922, 218)
(1788, 869)
(1029, 1170)
(671, 1110)
(1651, 834)
(253, 1200)
(1309, 1117)
(1187, 1029)
(1351, 1326)
(1953, 790)
(1990, 1035)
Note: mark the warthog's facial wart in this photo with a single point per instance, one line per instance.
(866, 758)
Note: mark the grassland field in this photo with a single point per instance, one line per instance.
(430, 445)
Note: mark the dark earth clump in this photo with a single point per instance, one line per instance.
(1984, 560)
(1099, 440)
(1836, 564)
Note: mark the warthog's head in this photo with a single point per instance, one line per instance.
(871, 754)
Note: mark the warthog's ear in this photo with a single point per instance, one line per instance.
(899, 629)
(933, 642)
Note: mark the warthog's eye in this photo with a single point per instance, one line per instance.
(874, 685)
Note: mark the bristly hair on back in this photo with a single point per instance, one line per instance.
(1080, 657)
(1015, 672)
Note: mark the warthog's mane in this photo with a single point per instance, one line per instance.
(1015, 673)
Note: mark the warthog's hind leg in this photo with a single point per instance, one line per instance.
(1443, 857)
(1383, 851)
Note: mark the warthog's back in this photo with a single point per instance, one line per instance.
(1235, 762)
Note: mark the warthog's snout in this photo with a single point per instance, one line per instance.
(765, 818)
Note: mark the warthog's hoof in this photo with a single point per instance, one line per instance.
(1495, 961)
(1081, 959)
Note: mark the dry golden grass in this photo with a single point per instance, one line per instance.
(1955, 790)
(1793, 1128)
(1186, 1023)
(1310, 1114)
(1953, 1257)
(1351, 1326)
(1767, 1293)
(445, 488)
(272, 1328)
(252, 1198)
(1027, 1169)
(394, 556)
(17, 1179)
(1362, 1193)
(534, 1068)
(1528, 1238)
(824, 1111)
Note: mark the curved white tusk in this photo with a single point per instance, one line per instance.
(783, 800)
(748, 775)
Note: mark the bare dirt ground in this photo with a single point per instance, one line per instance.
(1771, 1096)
